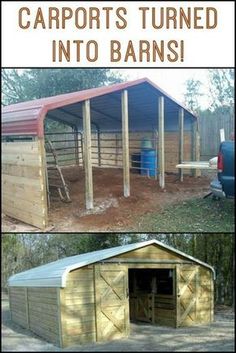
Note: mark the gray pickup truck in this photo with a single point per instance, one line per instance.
(223, 185)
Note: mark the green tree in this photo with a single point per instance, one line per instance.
(192, 95)
(24, 85)
(221, 85)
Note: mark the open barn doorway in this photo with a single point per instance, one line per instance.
(152, 296)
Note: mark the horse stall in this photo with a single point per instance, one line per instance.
(132, 127)
(94, 296)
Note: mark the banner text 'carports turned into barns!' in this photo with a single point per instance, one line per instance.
(118, 33)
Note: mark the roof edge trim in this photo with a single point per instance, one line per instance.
(139, 245)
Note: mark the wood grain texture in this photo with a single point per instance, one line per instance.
(151, 252)
(23, 182)
(78, 308)
(112, 307)
(87, 155)
(18, 306)
(43, 313)
(125, 144)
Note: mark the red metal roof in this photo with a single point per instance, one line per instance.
(27, 117)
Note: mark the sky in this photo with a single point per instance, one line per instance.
(172, 80)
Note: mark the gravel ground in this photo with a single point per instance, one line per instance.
(217, 337)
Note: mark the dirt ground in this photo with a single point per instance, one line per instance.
(216, 337)
(112, 211)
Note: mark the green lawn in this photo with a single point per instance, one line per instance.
(195, 215)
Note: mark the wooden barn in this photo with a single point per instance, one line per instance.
(94, 296)
(106, 127)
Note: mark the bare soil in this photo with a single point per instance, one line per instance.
(112, 211)
(216, 337)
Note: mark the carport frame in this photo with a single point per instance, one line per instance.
(86, 108)
(125, 145)
(51, 103)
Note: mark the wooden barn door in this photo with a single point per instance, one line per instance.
(187, 293)
(24, 194)
(112, 302)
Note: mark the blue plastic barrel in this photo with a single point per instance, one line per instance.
(148, 162)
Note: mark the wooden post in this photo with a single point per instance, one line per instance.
(177, 303)
(60, 312)
(181, 142)
(127, 313)
(125, 143)
(161, 144)
(156, 149)
(27, 307)
(87, 156)
(98, 313)
(174, 288)
(212, 296)
(197, 293)
(44, 182)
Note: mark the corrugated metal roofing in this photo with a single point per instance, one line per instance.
(54, 274)
(27, 117)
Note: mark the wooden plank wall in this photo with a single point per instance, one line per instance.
(18, 306)
(165, 309)
(205, 303)
(43, 313)
(151, 252)
(36, 309)
(111, 148)
(210, 126)
(23, 183)
(77, 308)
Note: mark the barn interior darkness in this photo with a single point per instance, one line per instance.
(150, 289)
(157, 281)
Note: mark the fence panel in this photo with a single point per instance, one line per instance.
(210, 133)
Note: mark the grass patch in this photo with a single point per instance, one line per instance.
(195, 215)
